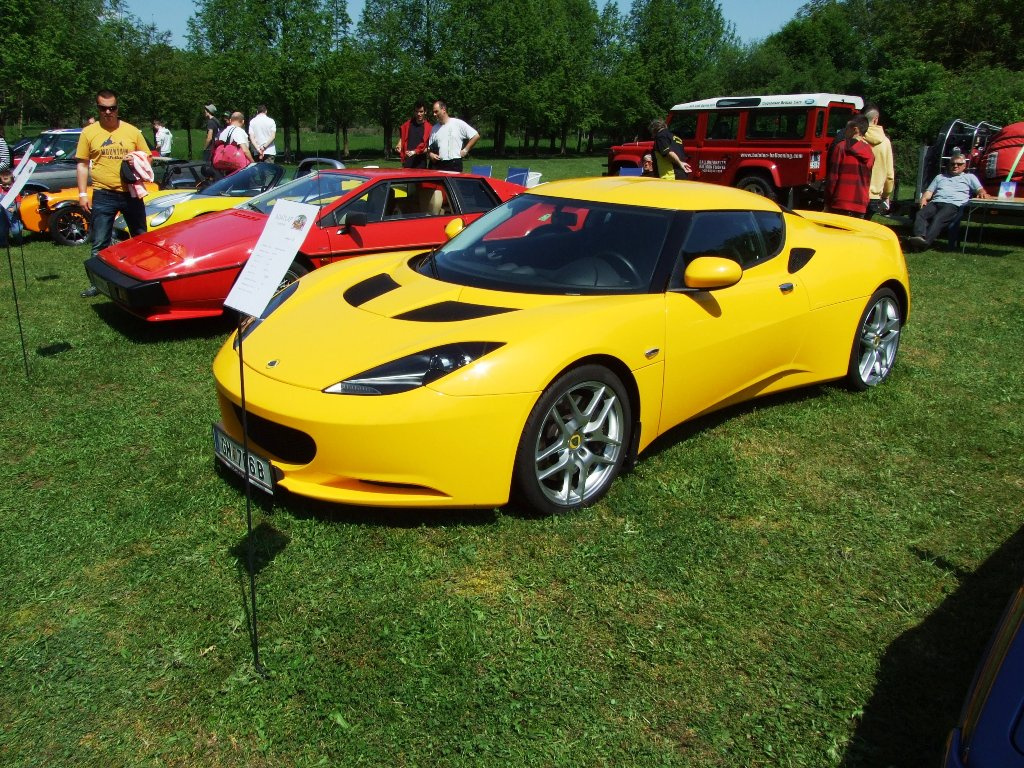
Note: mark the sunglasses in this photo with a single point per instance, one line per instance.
(102, 108)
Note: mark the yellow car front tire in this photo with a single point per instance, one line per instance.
(575, 441)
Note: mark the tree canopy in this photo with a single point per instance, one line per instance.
(567, 73)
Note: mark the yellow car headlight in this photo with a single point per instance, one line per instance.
(161, 217)
(413, 371)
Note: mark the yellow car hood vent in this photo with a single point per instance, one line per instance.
(439, 312)
(370, 289)
(450, 312)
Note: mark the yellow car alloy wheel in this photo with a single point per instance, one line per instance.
(575, 440)
(876, 342)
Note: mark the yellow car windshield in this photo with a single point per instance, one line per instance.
(534, 244)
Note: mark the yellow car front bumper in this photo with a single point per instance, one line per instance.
(416, 449)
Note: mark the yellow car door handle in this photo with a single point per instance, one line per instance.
(787, 287)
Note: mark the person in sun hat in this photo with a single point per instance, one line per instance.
(212, 129)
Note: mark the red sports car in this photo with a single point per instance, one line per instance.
(186, 270)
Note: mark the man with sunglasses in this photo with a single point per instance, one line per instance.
(105, 144)
(943, 202)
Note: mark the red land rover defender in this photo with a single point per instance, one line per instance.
(776, 146)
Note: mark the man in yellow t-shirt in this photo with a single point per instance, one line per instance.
(105, 144)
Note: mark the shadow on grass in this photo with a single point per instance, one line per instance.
(52, 350)
(267, 544)
(252, 555)
(694, 427)
(924, 674)
(139, 331)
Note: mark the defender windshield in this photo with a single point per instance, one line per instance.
(536, 244)
(318, 189)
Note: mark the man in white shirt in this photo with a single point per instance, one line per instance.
(162, 139)
(262, 131)
(451, 141)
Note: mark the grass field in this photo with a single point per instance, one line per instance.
(805, 581)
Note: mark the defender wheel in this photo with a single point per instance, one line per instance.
(575, 441)
(758, 186)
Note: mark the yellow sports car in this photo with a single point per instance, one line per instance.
(174, 205)
(546, 345)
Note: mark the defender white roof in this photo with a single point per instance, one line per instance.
(771, 102)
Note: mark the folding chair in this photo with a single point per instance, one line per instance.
(518, 175)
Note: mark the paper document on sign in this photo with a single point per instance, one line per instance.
(274, 252)
(19, 182)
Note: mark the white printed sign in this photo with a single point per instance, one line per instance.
(25, 166)
(261, 276)
(19, 182)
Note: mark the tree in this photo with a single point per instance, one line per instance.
(342, 79)
(623, 106)
(51, 54)
(264, 52)
(674, 40)
(396, 71)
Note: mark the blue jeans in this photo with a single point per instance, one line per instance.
(106, 204)
(10, 228)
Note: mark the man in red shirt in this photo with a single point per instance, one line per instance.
(848, 183)
(413, 138)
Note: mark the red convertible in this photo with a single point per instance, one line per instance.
(186, 270)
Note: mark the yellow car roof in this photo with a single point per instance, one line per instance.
(656, 193)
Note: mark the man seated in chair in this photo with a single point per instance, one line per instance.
(943, 202)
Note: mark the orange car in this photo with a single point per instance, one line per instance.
(60, 214)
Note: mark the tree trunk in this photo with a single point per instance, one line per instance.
(499, 136)
(388, 128)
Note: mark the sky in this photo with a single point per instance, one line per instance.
(754, 19)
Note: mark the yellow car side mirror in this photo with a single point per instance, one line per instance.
(712, 272)
(453, 227)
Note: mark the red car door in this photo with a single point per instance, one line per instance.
(399, 213)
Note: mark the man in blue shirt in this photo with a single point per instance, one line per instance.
(941, 203)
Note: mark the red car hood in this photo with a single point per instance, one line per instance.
(216, 241)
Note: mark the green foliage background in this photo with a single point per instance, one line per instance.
(566, 76)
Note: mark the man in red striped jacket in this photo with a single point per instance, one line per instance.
(848, 182)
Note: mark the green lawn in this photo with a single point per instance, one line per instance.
(805, 581)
